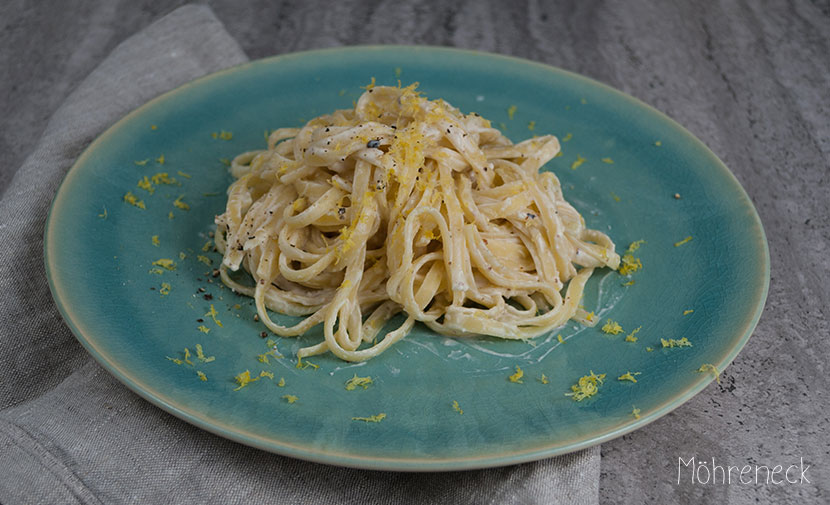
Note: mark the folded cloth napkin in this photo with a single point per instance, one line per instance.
(70, 433)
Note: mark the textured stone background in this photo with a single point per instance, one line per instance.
(751, 79)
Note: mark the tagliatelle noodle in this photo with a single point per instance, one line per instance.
(403, 204)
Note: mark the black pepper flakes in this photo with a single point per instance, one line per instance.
(373, 143)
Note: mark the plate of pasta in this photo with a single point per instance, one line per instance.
(406, 258)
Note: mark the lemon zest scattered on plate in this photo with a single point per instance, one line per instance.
(628, 376)
(587, 386)
(212, 313)
(683, 342)
(457, 407)
(200, 354)
(612, 327)
(356, 382)
(133, 200)
(180, 204)
(165, 263)
(578, 162)
(371, 419)
(517, 377)
(708, 367)
(685, 240)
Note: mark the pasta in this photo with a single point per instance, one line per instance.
(403, 204)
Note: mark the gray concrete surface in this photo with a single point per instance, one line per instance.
(750, 79)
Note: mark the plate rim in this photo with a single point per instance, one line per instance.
(344, 459)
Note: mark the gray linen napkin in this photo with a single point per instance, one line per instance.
(70, 433)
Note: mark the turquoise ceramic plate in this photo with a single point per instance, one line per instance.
(99, 254)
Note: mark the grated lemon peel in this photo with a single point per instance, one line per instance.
(356, 382)
(612, 327)
(586, 387)
(517, 377)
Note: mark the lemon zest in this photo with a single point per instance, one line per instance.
(155, 240)
(146, 185)
(628, 376)
(163, 178)
(687, 239)
(457, 407)
(223, 135)
(608, 160)
(635, 412)
(204, 259)
(612, 327)
(517, 377)
(567, 137)
(544, 379)
(201, 375)
(165, 263)
(587, 386)
(290, 398)
(305, 364)
(629, 264)
(281, 383)
(180, 204)
(578, 162)
(165, 289)
(511, 111)
(687, 312)
(370, 85)
(630, 337)
(683, 342)
(708, 367)
(200, 354)
(371, 419)
(133, 200)
(212, 313)
(356, 382)
(244, 379)
(635, 245)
